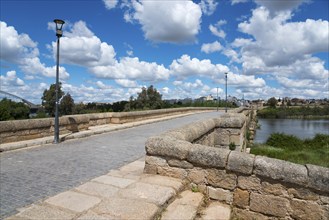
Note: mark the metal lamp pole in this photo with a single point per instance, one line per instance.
(59, 33)
(225, 92)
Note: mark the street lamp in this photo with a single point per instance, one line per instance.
(225, 92)
(59, 33)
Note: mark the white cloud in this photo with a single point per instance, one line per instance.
(245, 81)
(233, 2)
(21, 50)
(127, 83)
(275, 6)
(179, 21)
(212, 47)
(208, 7)
(11, 79)
(110, 4)
(185, 67)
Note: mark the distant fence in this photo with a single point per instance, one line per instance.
(20, 130)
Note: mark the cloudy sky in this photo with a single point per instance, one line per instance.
(112, 48)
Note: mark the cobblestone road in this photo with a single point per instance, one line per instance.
(32, 174)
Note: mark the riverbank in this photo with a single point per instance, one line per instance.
(295, 112)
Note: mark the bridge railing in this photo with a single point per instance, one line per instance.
(20, 130)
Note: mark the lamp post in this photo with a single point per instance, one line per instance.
(217, 99)
(225, 92)
(59, 33)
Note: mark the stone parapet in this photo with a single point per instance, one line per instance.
(257, 187)
(21, 130)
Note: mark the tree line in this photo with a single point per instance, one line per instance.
(149, 98)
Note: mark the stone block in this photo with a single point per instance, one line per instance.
(249, 183)
(117, 207)
(98, 189)
(76, 202)
(157, 161)
(222, 137)
(302, 193)
(167, 147)
(268, 204)
(44, 212)
(216, 210)
(151, 193)
(247, 215)
(318, 177)
(207, 156)
(240, 162)
(174, 183)
(172, 172)
(150, 169)
(241, 198)
(281, 170)
(219, 178)
(307, 210)
(180, 163)
(197, 176)
(114, 181)
(220, 194)
(274, 189)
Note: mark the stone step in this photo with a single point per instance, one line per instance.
(185, 206)
(215, 210)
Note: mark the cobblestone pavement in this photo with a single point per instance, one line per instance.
(32, 174)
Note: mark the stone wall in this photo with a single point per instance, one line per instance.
(256, 187)
(20, 130)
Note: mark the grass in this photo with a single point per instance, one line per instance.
(290, 148)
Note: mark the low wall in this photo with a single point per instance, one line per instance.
(256, 187)
(20, 130)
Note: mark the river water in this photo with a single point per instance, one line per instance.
(301, 128)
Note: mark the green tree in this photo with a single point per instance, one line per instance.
(66, 105)
(272, 102)
(49, 98)
(10, 110)
(149, 98)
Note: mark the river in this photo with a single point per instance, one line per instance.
(299, 127)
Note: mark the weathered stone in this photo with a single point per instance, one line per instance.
(216, 210)
(90, 215)
(197, 176)
(240, 162)
(220, 194)
(157, 161)
(241, 198)
(232, 120)
(98, 189)
(114, 181)
(318, 177)
(219, 178)
(167, 147)
(325, 199)
(117, 207)
(73, 201)
(184, 207)
(302, 193)
(249, 183)
(150, 169)
(274, 189)
(180, 163)
(44, 212)
(247, 215)
(151, 193)
(306, 210)
(174, 183)
(208, 156)
(280, 170)
(222, 137)
(172, 172)
(268, 204)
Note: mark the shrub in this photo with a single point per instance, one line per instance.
(232, 146)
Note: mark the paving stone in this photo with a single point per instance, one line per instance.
(114, 181)
(90, 215)
(44, 212)
(156, 194)
(73, 201)
(98, 189)
(163, 181)
(117, 207)
(216, 210)
(185, 207)
(136, 166)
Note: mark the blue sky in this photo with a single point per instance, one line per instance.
(112, 48)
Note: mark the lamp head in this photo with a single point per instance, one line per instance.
(59, 25)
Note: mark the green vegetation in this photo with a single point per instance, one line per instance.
(290, 148)
(294, 112)
(232, 146)
(10, 110)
